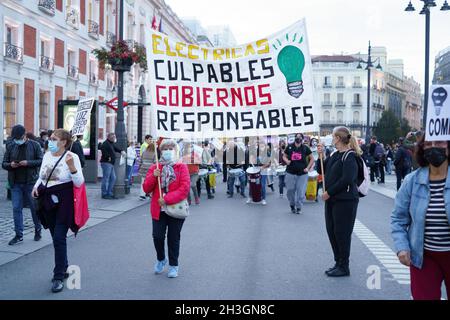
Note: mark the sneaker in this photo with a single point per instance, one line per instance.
(272, 188)
(159, 266)
(293, 209)
(263, 202)
(15, 240)
(243, 195)
(230, 196)
(37, 236)
(210, 196)
(281, 195)
(173, 272)
(142, 198)
(58, 286)
(299, 210)
(249, 200)
(66, 276)
(197, 201)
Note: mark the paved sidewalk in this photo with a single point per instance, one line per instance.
(389, 188)
(100, 211)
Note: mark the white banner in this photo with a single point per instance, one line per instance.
(438, 114)
(257, 89)
(83, 116)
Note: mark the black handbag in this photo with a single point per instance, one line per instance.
(39, 203)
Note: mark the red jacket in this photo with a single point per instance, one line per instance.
(178, 189)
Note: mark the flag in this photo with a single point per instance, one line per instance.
(154, 26)
(160, 25)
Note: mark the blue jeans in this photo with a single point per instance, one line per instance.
(129, 174)
(281, 183)
(108, 180)
(18, 194)
(230, 182)
(59, 235)
(389, 166)
(264, 178)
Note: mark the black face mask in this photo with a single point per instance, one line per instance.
(435, 156)
(298, 140)
(283, 146)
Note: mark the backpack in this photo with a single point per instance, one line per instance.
(363, 180)
(379, 152)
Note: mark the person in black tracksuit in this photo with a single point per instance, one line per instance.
(341, 198)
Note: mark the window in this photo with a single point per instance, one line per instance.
(326, 116)
(130, 31)
(357, 98)
(356, 116)
(44, 98)
(10, 108)
(326, 97)
(340, 81)
(93, 72)
(357, 81)
(142, 34)
(340, 117)
(327, 81)
(340, 98)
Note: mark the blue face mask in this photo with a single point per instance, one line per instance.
(167, 155)
(19, 142)
(53, 146)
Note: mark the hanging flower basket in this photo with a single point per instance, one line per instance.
(121, 57)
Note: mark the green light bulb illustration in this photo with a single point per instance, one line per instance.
(291, 62)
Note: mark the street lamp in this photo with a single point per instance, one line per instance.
(427, 5)
(369, 64)
(121, 134)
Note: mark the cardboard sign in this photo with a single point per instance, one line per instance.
(82, 116)
(438, 114)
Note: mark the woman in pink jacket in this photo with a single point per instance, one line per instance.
(175, 184)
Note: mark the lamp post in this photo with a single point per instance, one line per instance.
(427, 5)
(369, 64)
(121, 134)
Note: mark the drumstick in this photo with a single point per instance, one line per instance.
(157, 167)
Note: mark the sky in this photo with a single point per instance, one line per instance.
(334, 26)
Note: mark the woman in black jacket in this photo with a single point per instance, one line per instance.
(341, 197)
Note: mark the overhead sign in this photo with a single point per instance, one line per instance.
(261, 88)
(438, 114)
(82, 116)
(113, 103)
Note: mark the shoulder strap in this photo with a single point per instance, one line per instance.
(54, 167)
(346, 153)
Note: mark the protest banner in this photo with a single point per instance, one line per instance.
(82, 116)
(261, 88)
(438, 114)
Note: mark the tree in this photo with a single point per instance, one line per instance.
(388, 128)
(404, 127)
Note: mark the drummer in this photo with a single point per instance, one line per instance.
(264, 162)
(234, 158)
(207, 161)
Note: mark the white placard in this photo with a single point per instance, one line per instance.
(438, 114)
(83, 116)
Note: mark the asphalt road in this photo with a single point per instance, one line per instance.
(229, 250)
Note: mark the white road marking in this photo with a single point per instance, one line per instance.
(383, 253)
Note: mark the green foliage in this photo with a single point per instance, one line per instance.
(388, 128)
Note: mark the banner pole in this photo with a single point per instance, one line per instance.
(321, 168)
(157, 167)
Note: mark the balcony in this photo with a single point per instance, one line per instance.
(47, 6)
(13, 53)
(93, 79)
(356, 104)
(72, 72)
(327, 86)
(340, 86)
(340, 104)
(378, 106)
(327, 104)
(110, 38)
(93, 29)
(356, 124)
(47, 64)
(357, 85)
(332, 123)
(73, 17)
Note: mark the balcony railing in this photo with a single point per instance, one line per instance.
(378, 106)
(93, 29)
(327, 85)
(110, 38)
(340, 85)
(13, 52)
(47, 6)
(356, 104)
(131, 43)
(72, 72)
(333, 122)
(340, 104)
(327, 104)
(47, 64)
(93, 79)
(72, 16)
(357, 85)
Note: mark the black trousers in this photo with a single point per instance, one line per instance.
(173, 226)
(401, 174)
(340, 219)
(199, 185)
(377, 170)
(59, 236)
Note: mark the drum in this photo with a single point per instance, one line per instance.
(281, 170)
(235, 172)
(254, 178)
(212, 177)
(311, 187)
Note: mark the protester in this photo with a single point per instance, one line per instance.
(207, 161)
(341, 197)
(234, 157)
(60, 172)
(77, 148)
(192, 162)
(420, 222)
(376, 154)
(43, 138)
(402, 162)
(389, 158)
(131, 160)
(298, 166)
(281, 162)
(147, 141)
(107, 161)
(148, 159)
(22, 160)
(175, 186)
